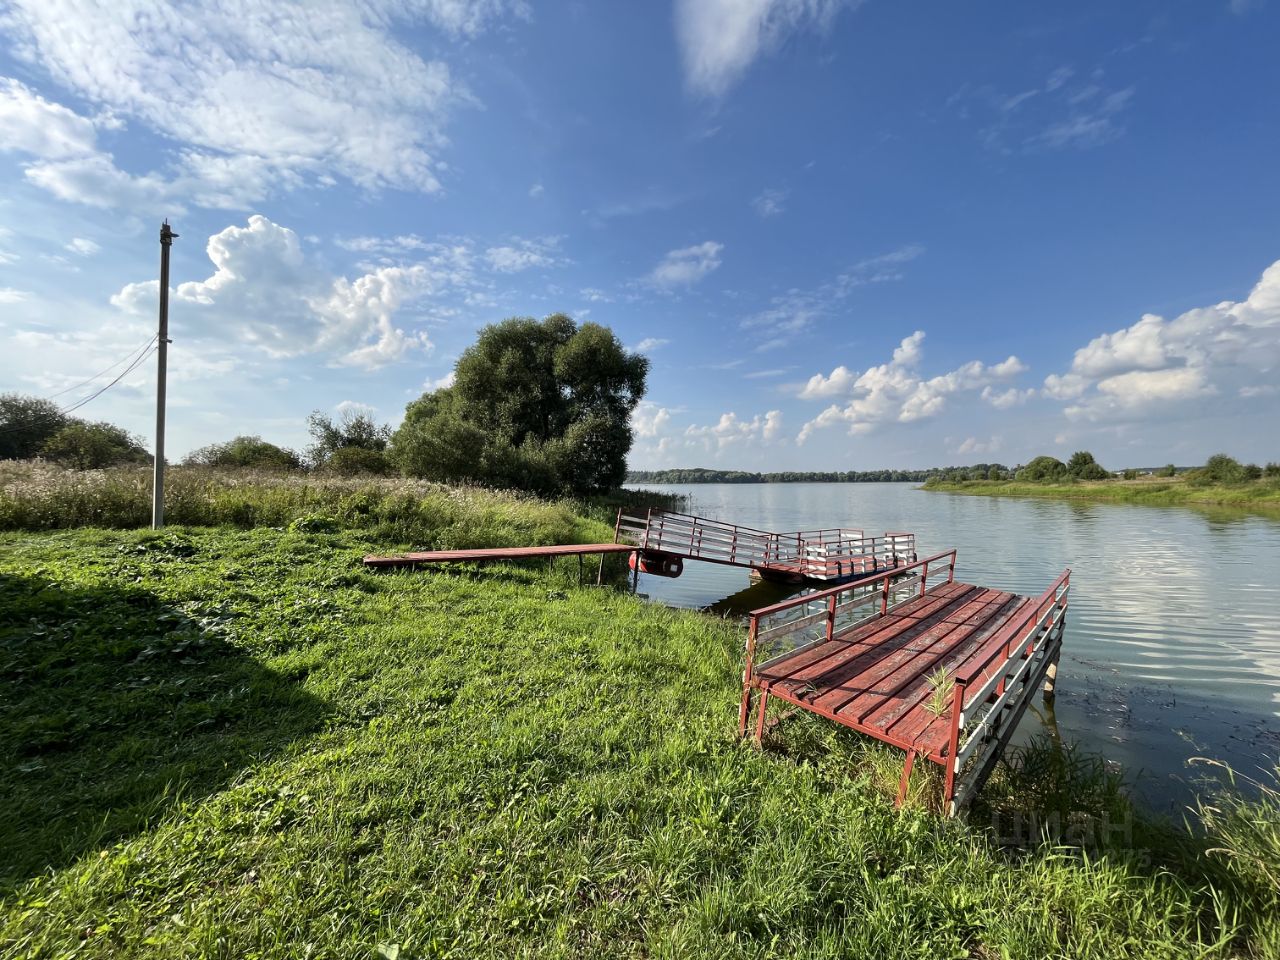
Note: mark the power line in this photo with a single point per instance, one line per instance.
(101, 373)
(124, 373)
(149, 349)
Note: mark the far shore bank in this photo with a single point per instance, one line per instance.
(1153, 491)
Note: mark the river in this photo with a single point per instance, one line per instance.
(1172, 648)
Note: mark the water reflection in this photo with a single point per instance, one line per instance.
(1173, 637)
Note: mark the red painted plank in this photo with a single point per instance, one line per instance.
(497, 553)
(881, 636)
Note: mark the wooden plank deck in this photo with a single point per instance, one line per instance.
(875, 677)
(497, 553)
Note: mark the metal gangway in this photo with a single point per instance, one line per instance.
(831, 554)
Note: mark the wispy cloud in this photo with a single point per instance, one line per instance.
(770, 203)
(796, 311)
(686, 266)
(720, 39)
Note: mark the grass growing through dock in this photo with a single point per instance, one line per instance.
(240, 743)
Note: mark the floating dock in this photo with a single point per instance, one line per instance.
(941, 669)
(666, 539)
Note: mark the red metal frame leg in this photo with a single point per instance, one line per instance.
(906, 777)
(764, 706)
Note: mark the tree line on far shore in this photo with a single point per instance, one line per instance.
(1082, 465)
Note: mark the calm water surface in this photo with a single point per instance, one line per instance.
(1172, 647)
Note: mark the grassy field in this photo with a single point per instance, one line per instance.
(1172, 491)
(240, 743)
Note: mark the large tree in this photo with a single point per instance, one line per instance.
(26, 423)
(539, 405)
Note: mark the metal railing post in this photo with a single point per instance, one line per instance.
(831, 617)
(924, 578)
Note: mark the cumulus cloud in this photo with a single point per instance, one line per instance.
(1157, 365)
(266, 292)
(256, 95)
(895, 391)
(648, 419)
(686, 266)
(720, 39)
(731, 429)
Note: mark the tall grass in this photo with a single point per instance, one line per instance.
(39, 496)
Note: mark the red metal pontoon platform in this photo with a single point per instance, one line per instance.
(943, 672)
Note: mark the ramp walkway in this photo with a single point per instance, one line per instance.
(832, 554)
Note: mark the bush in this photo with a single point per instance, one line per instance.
(92, 446)
(252, 452)
(1131, 474)
(1168, 470)
(357, 461)
(1271, 470)
(1043, 470)
(1220, 468)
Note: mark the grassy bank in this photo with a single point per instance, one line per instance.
(1171, 491)
(241, 743)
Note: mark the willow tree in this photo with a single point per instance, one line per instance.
(536, 405)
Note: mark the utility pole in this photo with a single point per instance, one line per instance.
(167, 237)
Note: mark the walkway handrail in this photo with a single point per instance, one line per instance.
(858, 584)
(864, 592)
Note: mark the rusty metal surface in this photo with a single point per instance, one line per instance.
(497, 553)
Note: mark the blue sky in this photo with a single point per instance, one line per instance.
(849, 235)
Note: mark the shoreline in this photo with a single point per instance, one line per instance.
(1259, 496)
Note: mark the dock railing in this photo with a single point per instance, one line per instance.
(993, 687)
(821, 554)
(793, 625)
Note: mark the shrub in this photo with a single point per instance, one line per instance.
(1271, 470)
(1168, 470)
(1131, 474)
(1043, 470)
(1220, 468)
(92, 446)
(242, 451)
(357, 461)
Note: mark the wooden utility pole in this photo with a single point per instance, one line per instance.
(167, 237)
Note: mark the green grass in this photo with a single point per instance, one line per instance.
(241, 743)
(1173, 491)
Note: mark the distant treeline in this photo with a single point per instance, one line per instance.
(703, 475)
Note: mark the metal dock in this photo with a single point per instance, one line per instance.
(941, 669)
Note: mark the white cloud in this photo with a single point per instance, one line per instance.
(31, 124)
(719, 39)
(649, 344)
(648, 419)
(256, 96)
(594, 295)
(440, 383)
(524, 254)
(974, 445)
(12, 295)
(895, 391)
(684, 267)
(1157, 366)
(1006, 399)
(537, 190)
(730, 429)
(265, 292)
(770, 203)
(796, 310)
(82, 246)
